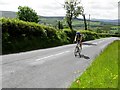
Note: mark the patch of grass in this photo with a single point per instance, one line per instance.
(103, 72)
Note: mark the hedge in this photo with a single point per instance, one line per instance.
(70, 34)
(18, 36)
(108, 35)
(88, 35)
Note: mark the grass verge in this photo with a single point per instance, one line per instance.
(103, 72)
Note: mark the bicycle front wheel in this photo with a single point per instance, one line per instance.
(76, 50)
(80, 49)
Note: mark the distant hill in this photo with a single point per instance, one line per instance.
(12, 14)
(77, 23)
(114, 22)
(7, 14)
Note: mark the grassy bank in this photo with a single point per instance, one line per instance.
(103, 72)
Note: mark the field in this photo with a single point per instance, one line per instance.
(79, 24)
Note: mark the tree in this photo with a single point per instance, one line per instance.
(73, 10)
(60, 25)
(84, 21)
(27, 14)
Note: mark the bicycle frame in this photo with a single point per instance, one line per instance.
(77, 50)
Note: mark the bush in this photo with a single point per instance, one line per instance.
(27, 14)
(64, 39)
(70, 35)
(18, 36)
(88, 35)
(108, 35)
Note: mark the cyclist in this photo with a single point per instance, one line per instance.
(78, 38)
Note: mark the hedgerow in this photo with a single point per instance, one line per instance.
(88, 35)
(19, 36)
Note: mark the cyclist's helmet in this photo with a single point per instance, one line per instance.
(78, 33)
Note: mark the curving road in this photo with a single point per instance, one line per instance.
(49, 68)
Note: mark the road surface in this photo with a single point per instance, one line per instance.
(49, 68)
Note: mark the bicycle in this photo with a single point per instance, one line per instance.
(77, 50)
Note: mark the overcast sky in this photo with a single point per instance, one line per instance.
(98, 9)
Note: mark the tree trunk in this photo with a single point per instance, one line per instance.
(85, 21)
(70, 25)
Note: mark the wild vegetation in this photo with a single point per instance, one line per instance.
(26, 13)
(73, 10)
(96, 26)
(103, 72)
(19, 36)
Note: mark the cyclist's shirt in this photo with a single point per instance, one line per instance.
(78, 37)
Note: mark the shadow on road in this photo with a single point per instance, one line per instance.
(83, 56)
(89, 44)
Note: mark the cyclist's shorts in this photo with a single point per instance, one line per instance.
(78, 41)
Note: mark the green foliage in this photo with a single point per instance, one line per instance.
(60, 25)
(70, 34)
(106, 28)
(103, 35)
(89, 35)
(17, 28)
(63, 37)
(19, 36)
(73, 10)
(27, 14)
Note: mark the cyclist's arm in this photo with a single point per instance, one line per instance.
(75, 38)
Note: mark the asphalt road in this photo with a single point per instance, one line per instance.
(49, 68)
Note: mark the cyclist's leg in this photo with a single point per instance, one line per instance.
(81, 44)
(78, 43)
(80, 47)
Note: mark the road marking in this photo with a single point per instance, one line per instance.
(44, 59)
(52, 56)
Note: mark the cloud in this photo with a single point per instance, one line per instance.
(51, 8)
(102, 9)
(106, 9)
(2, 2)
(104, 5)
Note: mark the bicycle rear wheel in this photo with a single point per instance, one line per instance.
(76, 51)
(80, 49)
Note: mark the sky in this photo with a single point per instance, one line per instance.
(97, 9)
